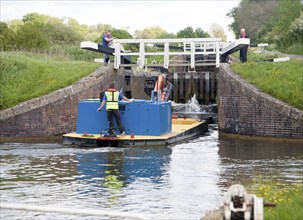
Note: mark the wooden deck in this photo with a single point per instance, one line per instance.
(182, 129)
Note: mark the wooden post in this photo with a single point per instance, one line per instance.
(176, 87)
(207, 93)
(181, 98)
(201, 87)
(188, 90)
(195, 77)
(212, 87)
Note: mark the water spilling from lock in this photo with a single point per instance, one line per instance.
(192, 109)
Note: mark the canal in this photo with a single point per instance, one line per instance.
(183, 181)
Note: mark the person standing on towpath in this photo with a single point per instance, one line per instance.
(243, 50)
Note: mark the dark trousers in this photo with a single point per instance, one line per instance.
(111, 114)
(243, 54)
(106, 58)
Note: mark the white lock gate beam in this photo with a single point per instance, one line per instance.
(197, 46)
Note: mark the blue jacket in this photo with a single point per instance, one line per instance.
(104, 42)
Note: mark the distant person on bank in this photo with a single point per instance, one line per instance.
(243, 50)
(111, 98)
(106, 39)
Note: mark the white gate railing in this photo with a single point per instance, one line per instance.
(191, 47)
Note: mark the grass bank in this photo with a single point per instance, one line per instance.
(283, 80)
(26, 75)
(287, 197)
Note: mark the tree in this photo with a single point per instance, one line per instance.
(296, 29)
(235, 25)
(217, 31)
(31, 37)
(121, 34)
(72, 23)
(150, 33)
(39, 19)
(59, 33)
(100, 28)
(201, 34)
(93, 36)
(167, 36)
(254, 16)
(3, 26)
(7, 37)
(27, 36)
(275, 21)
(285, 13)
(15, 24)
(189, 32)
(96, 31)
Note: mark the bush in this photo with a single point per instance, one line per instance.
(31, 37)
(8, 40)
(60, 34)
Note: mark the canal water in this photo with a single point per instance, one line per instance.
(182, 181)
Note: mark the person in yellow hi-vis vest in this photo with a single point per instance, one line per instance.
(111, 98)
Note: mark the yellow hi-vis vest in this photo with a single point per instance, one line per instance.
(112, 100)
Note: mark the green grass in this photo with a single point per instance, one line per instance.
(72, 52)
(283, 80)
(287, 197)
(26, 75)
(294, 49)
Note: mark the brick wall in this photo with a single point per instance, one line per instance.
(244, 109)
(55, 113)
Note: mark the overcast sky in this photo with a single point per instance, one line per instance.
(171, 15)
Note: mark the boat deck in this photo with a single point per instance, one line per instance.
(182, 129)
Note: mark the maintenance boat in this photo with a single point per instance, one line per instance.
(146, 123)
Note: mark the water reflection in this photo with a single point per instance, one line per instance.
(243, 161)
(125, 164)
(257, 150)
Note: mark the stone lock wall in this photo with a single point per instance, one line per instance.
(244, 109)
(55, 113)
